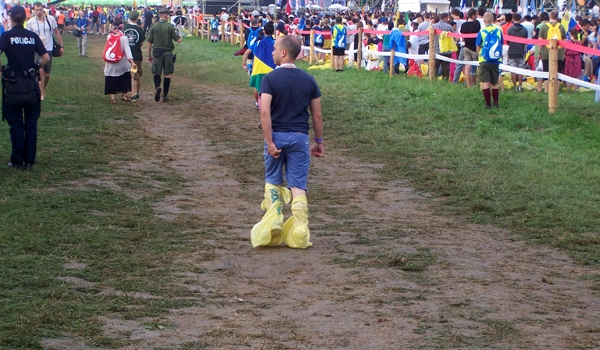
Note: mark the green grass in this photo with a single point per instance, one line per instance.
(53, 216)
(516, 167)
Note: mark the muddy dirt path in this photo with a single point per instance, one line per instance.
(385, 272)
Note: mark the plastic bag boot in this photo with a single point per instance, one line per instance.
(268, 230)
(295, 229)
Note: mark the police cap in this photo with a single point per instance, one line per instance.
(17, 10)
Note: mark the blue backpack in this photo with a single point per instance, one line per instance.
(318, 37)
(252, 38)
(491, 49)
(214, 23)
(339, 34)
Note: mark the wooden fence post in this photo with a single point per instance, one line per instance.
(360, 47)
(223, 31)
(553, 76)
(330, 55)
(242, 31)
(392, 56)
(311, 54)
(231, 31)
(431, 63)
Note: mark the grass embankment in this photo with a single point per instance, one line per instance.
(516, 167)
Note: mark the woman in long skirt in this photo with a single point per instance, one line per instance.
(117, 75)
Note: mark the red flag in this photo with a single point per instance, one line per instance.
(288, 7)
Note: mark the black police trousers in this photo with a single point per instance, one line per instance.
(23, 132)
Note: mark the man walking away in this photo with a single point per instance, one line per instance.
(136, 37)
(44, 26)
(516, 51)
(286, 95)
(471, 26)
(148, 18)
(160, 52)
(489, 48)
(442, 25)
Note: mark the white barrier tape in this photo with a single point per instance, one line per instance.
(526, 72)
(321, 50)
(452, 60)
(503, 67)
(578, 82)
(414, 57)
(397, 54)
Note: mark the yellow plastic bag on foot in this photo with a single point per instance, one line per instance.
(268, 230)
(295, 229)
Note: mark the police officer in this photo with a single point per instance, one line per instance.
(21, 98)
(160, 52)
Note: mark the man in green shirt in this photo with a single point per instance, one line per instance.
(160, 52)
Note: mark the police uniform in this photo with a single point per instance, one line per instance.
(20, 46)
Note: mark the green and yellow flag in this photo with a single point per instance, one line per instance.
(263, 61)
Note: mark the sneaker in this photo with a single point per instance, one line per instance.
(135, 98)
(256, 105)
(259, 126)
(496, 105)
(519, 88)
(488, 106)
(165, 98)
(20, 166)
(157, 94)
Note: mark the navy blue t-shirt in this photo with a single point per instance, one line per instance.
(289, 106)
(20, 45)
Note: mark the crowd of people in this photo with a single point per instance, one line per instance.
(582, 31)
(32, 35)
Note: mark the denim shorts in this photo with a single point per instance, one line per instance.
(295, 157)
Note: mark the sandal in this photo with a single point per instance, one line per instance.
(113, 101)
(125, 98)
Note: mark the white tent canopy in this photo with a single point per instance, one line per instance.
(337, 7)
(409, 6)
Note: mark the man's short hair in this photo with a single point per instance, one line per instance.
(517, 17)
(544, 16)
(443, 16)
(481, 11)
(338, 19)
(38, 4)
(390, 25)
(471, 13)
(291, 45)
(527, 18)
(254, 23)
(134, 15)
(508, 17)
(554, 15)
(269, 28)
(488, 18)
